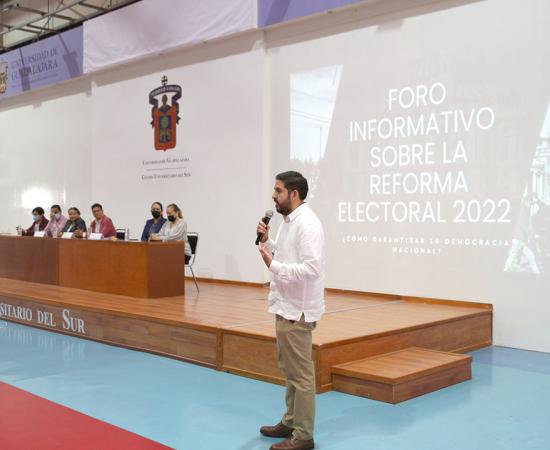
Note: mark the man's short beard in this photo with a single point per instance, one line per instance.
(282, 210)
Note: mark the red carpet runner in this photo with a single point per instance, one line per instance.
(29, 422)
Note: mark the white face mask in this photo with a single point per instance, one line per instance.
(35, 217)
(57, 216)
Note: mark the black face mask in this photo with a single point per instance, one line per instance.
(155, 214)
(171, 218)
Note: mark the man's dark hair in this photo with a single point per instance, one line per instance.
(294, 181)
(97, 205)
(56, 206)
(38, 210)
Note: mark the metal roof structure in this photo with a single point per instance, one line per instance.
(25, 21)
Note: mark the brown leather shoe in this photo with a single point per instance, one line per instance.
(278, 431)
(293, 444)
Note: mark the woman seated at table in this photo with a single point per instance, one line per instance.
(39, 222)
(153, 226)
(175, 229)
(75, 224)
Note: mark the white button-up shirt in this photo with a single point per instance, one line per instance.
(298, 267)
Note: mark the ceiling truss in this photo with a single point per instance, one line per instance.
(25, 21)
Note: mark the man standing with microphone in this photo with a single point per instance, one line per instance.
(296, 261)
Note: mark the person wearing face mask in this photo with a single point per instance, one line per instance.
(57, 222)
(175, 229)
(39, 222)
(153, 226)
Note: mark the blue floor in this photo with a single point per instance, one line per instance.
(505, 406)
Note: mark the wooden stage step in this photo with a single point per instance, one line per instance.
(398, 376)
(228, 328)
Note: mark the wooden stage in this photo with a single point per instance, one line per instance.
(226, 326)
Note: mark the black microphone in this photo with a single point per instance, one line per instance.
(266, 219)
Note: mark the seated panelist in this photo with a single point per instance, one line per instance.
(57, 222)
(154, 225)
(175, 229)
(102, 224)
(39, 222)
(75, 224)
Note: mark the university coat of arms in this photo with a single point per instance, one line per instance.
(166, 116)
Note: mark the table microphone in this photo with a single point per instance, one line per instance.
(266, 219)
